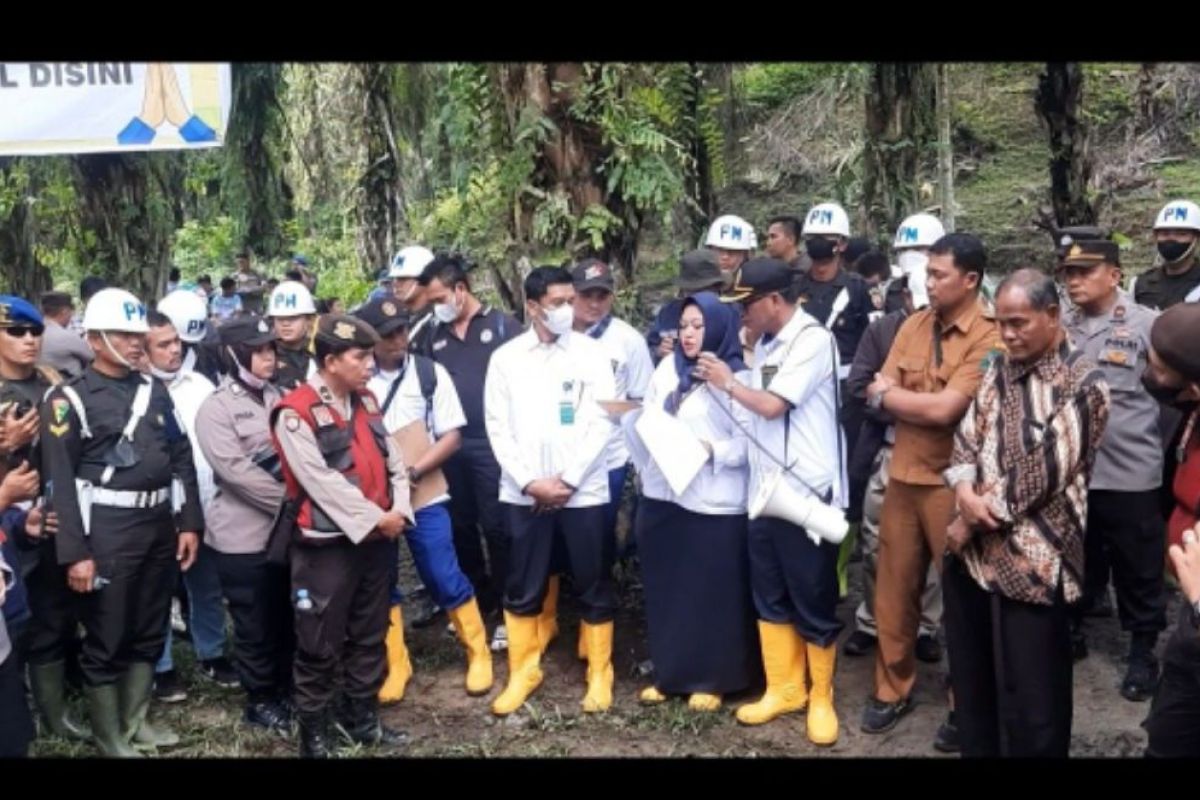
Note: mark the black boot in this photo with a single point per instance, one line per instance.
(1141, 677)
(314, 735)
(266, 712)
(359, 722)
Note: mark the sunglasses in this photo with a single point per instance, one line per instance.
(19, 331)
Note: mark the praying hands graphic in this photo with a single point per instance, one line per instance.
(164, 101)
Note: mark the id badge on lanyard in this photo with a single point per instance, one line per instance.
(566, 404)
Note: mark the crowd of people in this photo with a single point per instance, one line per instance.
(996, 459)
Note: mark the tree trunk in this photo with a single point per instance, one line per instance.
(899, 124)
(1059, 102)
(122, 203)
(378, 202)
(1146, 110)
(254, 188)
(20, 271)
(945, 148)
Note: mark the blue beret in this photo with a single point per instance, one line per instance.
(18, 311)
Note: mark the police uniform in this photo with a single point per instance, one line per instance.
(249, 490)
(543, 421)
(473, 472)
(1124, 517)
(431, 541)
(343, 473)
(47, 641)
(114, 491)
(793, 577)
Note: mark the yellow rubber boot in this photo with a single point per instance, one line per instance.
(651, 696)
(702, 701)
(600, 670)
(399, 665)
(473, 635)
(524, 664)
(784, 665)
(548, 619)
(822, 719)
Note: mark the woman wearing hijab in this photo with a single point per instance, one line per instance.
(235, 437)
(694, 557)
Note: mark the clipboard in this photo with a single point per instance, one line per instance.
(413, 441)
(675, 449)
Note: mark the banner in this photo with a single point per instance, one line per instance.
(111, 106)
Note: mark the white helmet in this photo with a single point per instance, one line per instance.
(827, 219)
(731, 232)
(291, 299)
(1178, 214)
(187, 312)
(115, 310)
(919, 230)
(410, 262)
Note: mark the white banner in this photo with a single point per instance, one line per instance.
(90, 107)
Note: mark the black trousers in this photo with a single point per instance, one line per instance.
(473, 475)
(1174, 722)
(589, 553)
(50, 632)
(794, 580)
(16, 723)
(263, 640)
(1010, 669)
(348, 586)
(125, 622)
(1125, 530)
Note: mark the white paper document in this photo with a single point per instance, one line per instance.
(674, 447)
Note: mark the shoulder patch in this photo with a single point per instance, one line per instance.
(291, 422)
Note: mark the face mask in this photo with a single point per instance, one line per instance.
(446, 313)
(916, 286)
(246, 376)
(1174, 251)
(819, 249)
(163, 375)
(559, 320)
(910, 260)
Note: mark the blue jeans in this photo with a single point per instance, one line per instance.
(206, 617)
(431, 543)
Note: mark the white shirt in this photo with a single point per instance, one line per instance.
(408, 404)
(188, 391)
(720, 486)
(539, 403)
(632, 368)
(801, 370)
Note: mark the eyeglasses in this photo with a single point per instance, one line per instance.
(19, 331)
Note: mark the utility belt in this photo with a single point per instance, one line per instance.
(90, 495)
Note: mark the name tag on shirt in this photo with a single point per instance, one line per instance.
(768, 374)
(566, 406)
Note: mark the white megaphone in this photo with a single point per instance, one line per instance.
(777, 498)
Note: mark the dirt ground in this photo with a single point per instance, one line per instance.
(443, 721)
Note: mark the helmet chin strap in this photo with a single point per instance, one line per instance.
(113, 352)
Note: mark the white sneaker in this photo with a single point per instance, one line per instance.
(500, 639)
(177, 623)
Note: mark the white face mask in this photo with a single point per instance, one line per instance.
(910, 260)
(559, 320)
(244, 375)
(446, 313)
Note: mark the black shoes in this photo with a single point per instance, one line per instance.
(881, 717)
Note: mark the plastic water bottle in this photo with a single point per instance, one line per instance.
(303, 601)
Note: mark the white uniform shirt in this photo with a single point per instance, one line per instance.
(542, 419)
(799, 365)
(632, 368)
(408, 404)
(720, 486)
(188, 391)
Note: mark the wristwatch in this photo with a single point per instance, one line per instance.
(413, 475)
(875, 401)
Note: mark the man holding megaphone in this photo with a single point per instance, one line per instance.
(797, 493)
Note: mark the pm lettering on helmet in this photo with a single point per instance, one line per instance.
(1175, 212)
(134, 311)
(824, 215)
(285, 300)
(908, 234)
(195, 326)
(733, 232)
